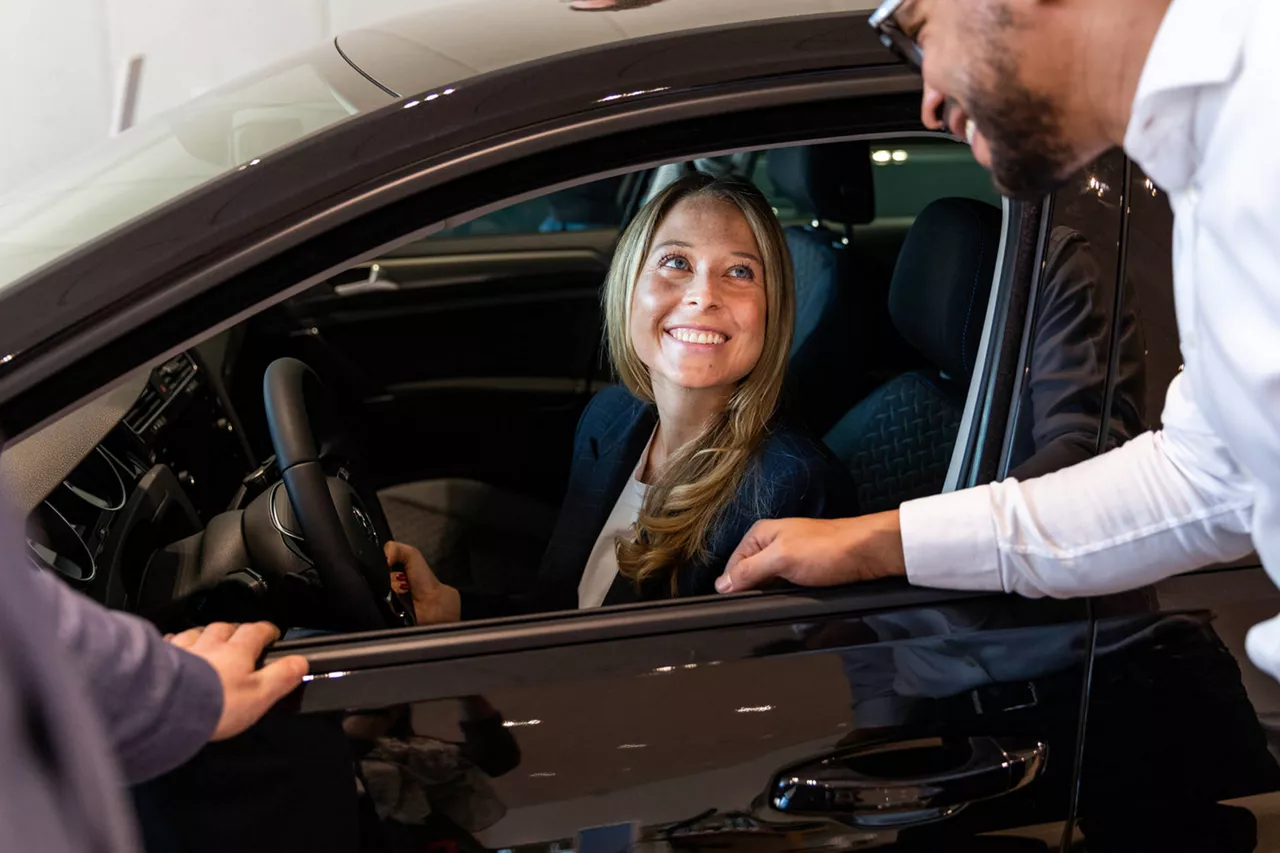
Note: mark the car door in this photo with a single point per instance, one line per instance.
(879, 716)
(1181, 737)
(397, 338)
(757, 723)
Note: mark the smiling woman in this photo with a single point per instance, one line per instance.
(700, 306)
(672, 468)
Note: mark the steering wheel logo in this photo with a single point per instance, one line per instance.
(366, 524)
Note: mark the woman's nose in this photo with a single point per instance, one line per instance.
(703, 291)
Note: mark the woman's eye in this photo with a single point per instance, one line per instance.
(675, 262)
(744, 273)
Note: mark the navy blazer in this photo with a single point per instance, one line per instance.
(794, 476)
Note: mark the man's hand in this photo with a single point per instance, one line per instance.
(233, 651)
(433, 602)
(816, 552)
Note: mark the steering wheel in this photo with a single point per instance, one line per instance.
(342, 526)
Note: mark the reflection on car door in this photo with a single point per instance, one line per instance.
(1182, 730)
(885, 716)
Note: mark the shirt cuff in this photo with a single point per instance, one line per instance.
(949, 541)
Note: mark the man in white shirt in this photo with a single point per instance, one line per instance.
(1040, 88)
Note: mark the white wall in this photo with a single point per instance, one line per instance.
(60, 60)
(54, 82)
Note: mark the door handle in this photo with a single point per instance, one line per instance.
(377, 282)
(901, 783)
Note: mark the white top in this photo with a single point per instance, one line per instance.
(602, 565)
(1206, 488)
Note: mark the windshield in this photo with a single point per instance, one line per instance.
(165, 157)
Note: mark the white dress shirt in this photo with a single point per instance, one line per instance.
(1206, 488)
(602, 565)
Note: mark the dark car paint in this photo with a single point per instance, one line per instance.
(724, 695)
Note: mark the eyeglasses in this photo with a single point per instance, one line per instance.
(904, 46)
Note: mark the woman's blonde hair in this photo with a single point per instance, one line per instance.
(683, 505)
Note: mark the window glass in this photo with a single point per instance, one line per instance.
(480, 428)
(589, 207)
(160, 159)
(907, 174)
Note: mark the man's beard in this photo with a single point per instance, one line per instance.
(1029, 154)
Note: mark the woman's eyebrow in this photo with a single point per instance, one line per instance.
(682, 244)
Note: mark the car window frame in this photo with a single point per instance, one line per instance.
(1053, 216)
(462, 182)
(249, 281)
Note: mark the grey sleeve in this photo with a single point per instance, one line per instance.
(158, 704)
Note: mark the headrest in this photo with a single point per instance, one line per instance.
(832, 181)
(938, 297)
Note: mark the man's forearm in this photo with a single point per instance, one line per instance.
(1120, 521)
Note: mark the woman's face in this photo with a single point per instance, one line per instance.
(698, 310)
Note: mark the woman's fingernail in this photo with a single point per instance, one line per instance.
(724, 583)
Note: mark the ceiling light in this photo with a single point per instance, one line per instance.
(755, 709)
(900, 156)
(881, 156)
(511, 724)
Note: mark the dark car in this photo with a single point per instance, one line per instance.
(377, 270)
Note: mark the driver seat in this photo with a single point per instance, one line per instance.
(475, 536)
(897, 442)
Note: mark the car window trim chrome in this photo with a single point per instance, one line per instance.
(349, 652)
(1028, 341)
(966, 435)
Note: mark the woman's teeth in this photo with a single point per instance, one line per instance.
(970, 130)
(692, 336)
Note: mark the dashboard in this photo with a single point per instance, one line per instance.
(109, 485)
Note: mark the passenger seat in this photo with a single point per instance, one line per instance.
(834, 183)
(897, 442)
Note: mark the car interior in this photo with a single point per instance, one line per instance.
(438, 388)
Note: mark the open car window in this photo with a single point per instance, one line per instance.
(480, 392)
(600, 205)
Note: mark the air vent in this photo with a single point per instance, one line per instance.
(165, 382)
(145, 410)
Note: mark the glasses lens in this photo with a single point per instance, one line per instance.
(903, 46)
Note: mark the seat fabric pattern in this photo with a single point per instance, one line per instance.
(897, 442)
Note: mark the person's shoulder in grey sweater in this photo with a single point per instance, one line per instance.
(90, 700)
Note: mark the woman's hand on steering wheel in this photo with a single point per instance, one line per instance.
(434, 602)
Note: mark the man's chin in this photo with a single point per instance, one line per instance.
(1026, 185)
